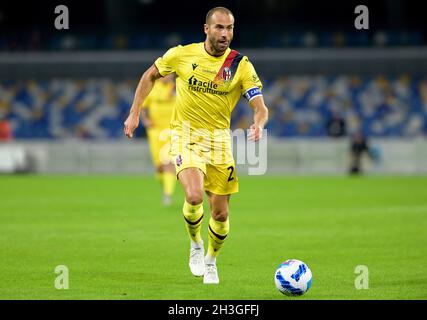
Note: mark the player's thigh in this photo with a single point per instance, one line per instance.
(185, 155)
(221, 179)
(192, 180)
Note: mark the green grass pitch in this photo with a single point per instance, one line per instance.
(118, 242)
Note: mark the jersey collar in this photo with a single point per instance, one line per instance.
(202, 46)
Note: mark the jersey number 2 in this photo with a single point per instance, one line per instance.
(230, 177)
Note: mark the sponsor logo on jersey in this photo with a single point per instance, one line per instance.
(209, 71)
(204, 86)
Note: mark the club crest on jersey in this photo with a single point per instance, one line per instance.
(226, 74)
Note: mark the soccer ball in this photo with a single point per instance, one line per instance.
(293, 278)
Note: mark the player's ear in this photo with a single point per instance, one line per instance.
(206, 28)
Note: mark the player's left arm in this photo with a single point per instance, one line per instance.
(252, 92)
(260, 117)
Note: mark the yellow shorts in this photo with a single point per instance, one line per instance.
(159, 141)
(218, 167)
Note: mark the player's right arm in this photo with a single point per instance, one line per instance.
(161, 67)
(145, 85)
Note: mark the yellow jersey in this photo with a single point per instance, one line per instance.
(160, 103)
(207, 87)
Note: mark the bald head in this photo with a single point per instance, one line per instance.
(221, 10)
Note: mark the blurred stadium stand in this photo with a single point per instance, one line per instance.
(299, 106)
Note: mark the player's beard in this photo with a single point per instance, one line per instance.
(218, 46)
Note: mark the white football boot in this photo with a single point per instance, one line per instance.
(211, 274)
(197, 261)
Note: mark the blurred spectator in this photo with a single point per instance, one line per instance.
(336, 126)
(5, 131)
(358, 148)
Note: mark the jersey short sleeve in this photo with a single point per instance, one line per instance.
(251, 84)
(168, 62)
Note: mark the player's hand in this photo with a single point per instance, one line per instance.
(255, 133)
(131, 124)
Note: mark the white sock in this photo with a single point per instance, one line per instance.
(210, 260)
(195, 245)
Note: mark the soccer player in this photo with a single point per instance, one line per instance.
(156, 114)
(210, 78)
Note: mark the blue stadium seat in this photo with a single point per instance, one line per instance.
(299, 106)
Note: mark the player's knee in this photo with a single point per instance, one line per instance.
(220, 215)
(194, 196)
